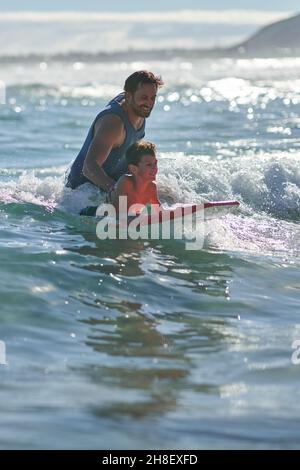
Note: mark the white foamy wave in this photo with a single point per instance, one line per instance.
(262, 182)
(29, 188)
(73, 201)
(256, 235)
(49, 191)
(196, 180)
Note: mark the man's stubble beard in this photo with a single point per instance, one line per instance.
(139, 111)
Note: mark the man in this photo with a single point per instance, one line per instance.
(101, 161)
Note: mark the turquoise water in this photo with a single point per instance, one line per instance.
(143, 344)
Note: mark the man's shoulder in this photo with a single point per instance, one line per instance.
(109, 121)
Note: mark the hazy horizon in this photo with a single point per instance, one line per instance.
(67, 31)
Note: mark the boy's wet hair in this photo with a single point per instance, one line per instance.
(135, 153)
(144, 77)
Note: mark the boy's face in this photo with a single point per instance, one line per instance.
(146, 168)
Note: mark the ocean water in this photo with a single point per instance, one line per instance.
(143, 344)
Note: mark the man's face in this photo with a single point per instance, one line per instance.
(147, 167)
(143, 99)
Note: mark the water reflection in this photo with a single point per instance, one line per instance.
(149, 320)
(137, 358)
(167, 263)
(149, 365)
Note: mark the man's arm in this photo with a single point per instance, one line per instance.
(109, 134)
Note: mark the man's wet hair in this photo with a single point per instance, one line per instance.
(142, 77)
(136, 151)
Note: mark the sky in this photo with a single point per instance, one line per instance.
(153, 5)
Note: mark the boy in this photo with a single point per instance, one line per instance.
(138, 185)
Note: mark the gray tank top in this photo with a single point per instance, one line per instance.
(115, 164)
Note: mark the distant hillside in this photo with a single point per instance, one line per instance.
(278, 39)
